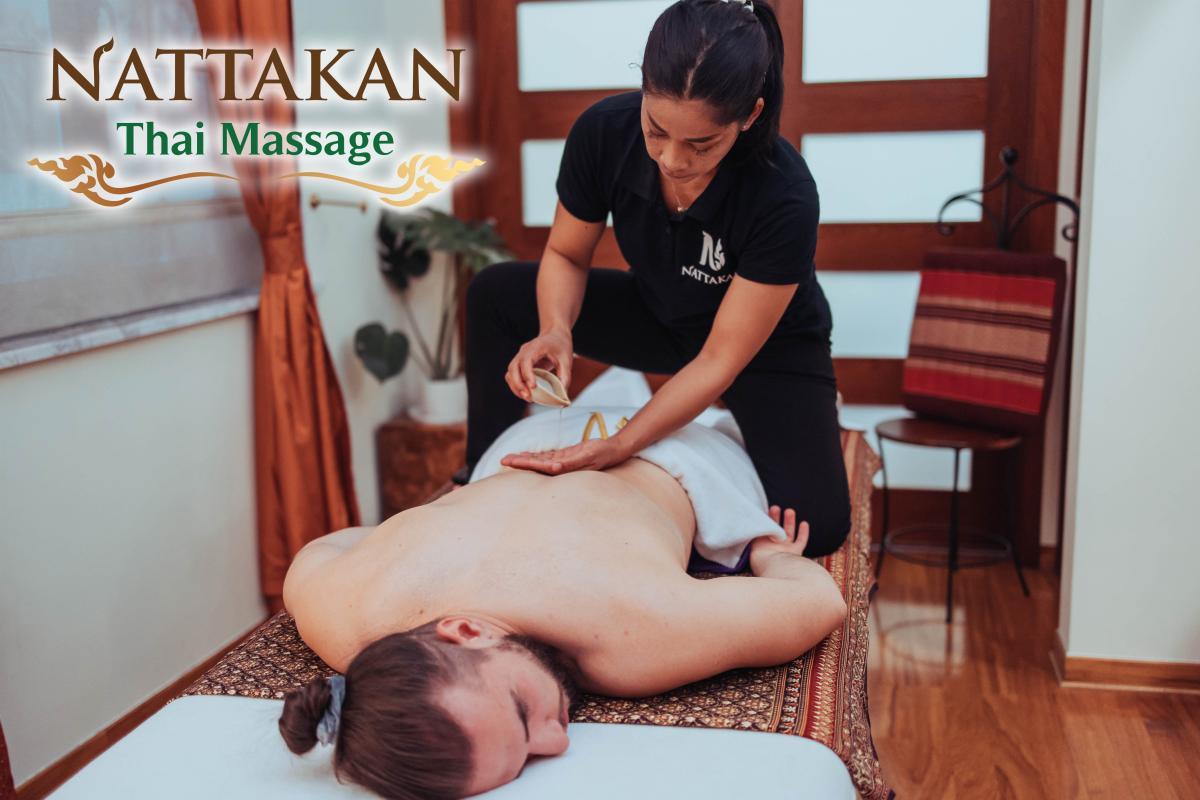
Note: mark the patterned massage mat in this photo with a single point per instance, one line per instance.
(821, 695)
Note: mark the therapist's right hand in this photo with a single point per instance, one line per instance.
(552, 351)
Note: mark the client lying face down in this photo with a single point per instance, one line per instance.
(421, 711)
(466, 627)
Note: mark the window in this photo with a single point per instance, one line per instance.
(882, 40)
(65, 261)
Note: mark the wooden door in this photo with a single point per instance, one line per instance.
(1015, 101)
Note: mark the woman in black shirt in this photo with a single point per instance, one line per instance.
(717, 216)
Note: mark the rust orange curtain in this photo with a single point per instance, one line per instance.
(301, 436)
(7, 790)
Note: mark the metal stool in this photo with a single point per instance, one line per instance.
(935, 433)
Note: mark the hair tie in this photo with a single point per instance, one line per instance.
(748, 5)
(331, 720)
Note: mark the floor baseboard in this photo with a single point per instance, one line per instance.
(55, 775)
(1142, 676)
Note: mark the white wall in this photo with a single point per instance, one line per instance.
(1132, 541)
(339, 242)
(127, 546)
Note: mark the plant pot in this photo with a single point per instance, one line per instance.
(442, 402)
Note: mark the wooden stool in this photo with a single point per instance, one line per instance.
(925, 432)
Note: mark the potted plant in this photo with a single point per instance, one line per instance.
(406, 245)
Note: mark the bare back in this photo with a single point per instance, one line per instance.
(560, 558)
(593, 563)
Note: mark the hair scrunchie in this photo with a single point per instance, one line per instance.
(327, 728)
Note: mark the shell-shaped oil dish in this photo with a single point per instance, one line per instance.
(548, 389)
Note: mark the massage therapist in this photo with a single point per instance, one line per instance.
(716, 215)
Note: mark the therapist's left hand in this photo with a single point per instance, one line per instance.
(592, 454)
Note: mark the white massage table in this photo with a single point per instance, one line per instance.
(230, 747)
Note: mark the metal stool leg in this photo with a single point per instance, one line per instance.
(886, 504)
(1020, 573)
(953, 565)
(1012, 534)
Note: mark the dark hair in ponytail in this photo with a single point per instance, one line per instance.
(302, 710)
(394, 737)
(721, 53)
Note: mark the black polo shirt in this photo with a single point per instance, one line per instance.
(757, 221)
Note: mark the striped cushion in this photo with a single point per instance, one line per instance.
(984, 337)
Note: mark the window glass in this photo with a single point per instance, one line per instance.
(895, 177)
(588, 44)
(886, 40)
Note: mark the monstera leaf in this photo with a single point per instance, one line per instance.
(405, 244)
(383, 354)
(401, 254)
(409, 238)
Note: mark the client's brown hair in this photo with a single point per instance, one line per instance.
(394, 738)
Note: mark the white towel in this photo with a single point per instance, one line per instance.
(711, 465)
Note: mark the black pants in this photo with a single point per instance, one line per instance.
(784, 401)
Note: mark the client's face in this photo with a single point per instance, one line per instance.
(518, 708)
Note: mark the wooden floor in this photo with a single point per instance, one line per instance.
(972, 709)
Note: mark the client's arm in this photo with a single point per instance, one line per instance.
(725, 623)
(770, 558)
(790, 605)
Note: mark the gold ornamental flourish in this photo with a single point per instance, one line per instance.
(91, 175)
(422, 175)
(416, 170)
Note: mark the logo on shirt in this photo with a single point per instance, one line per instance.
(712, 255)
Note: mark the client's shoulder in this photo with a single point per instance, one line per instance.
(311, 566)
